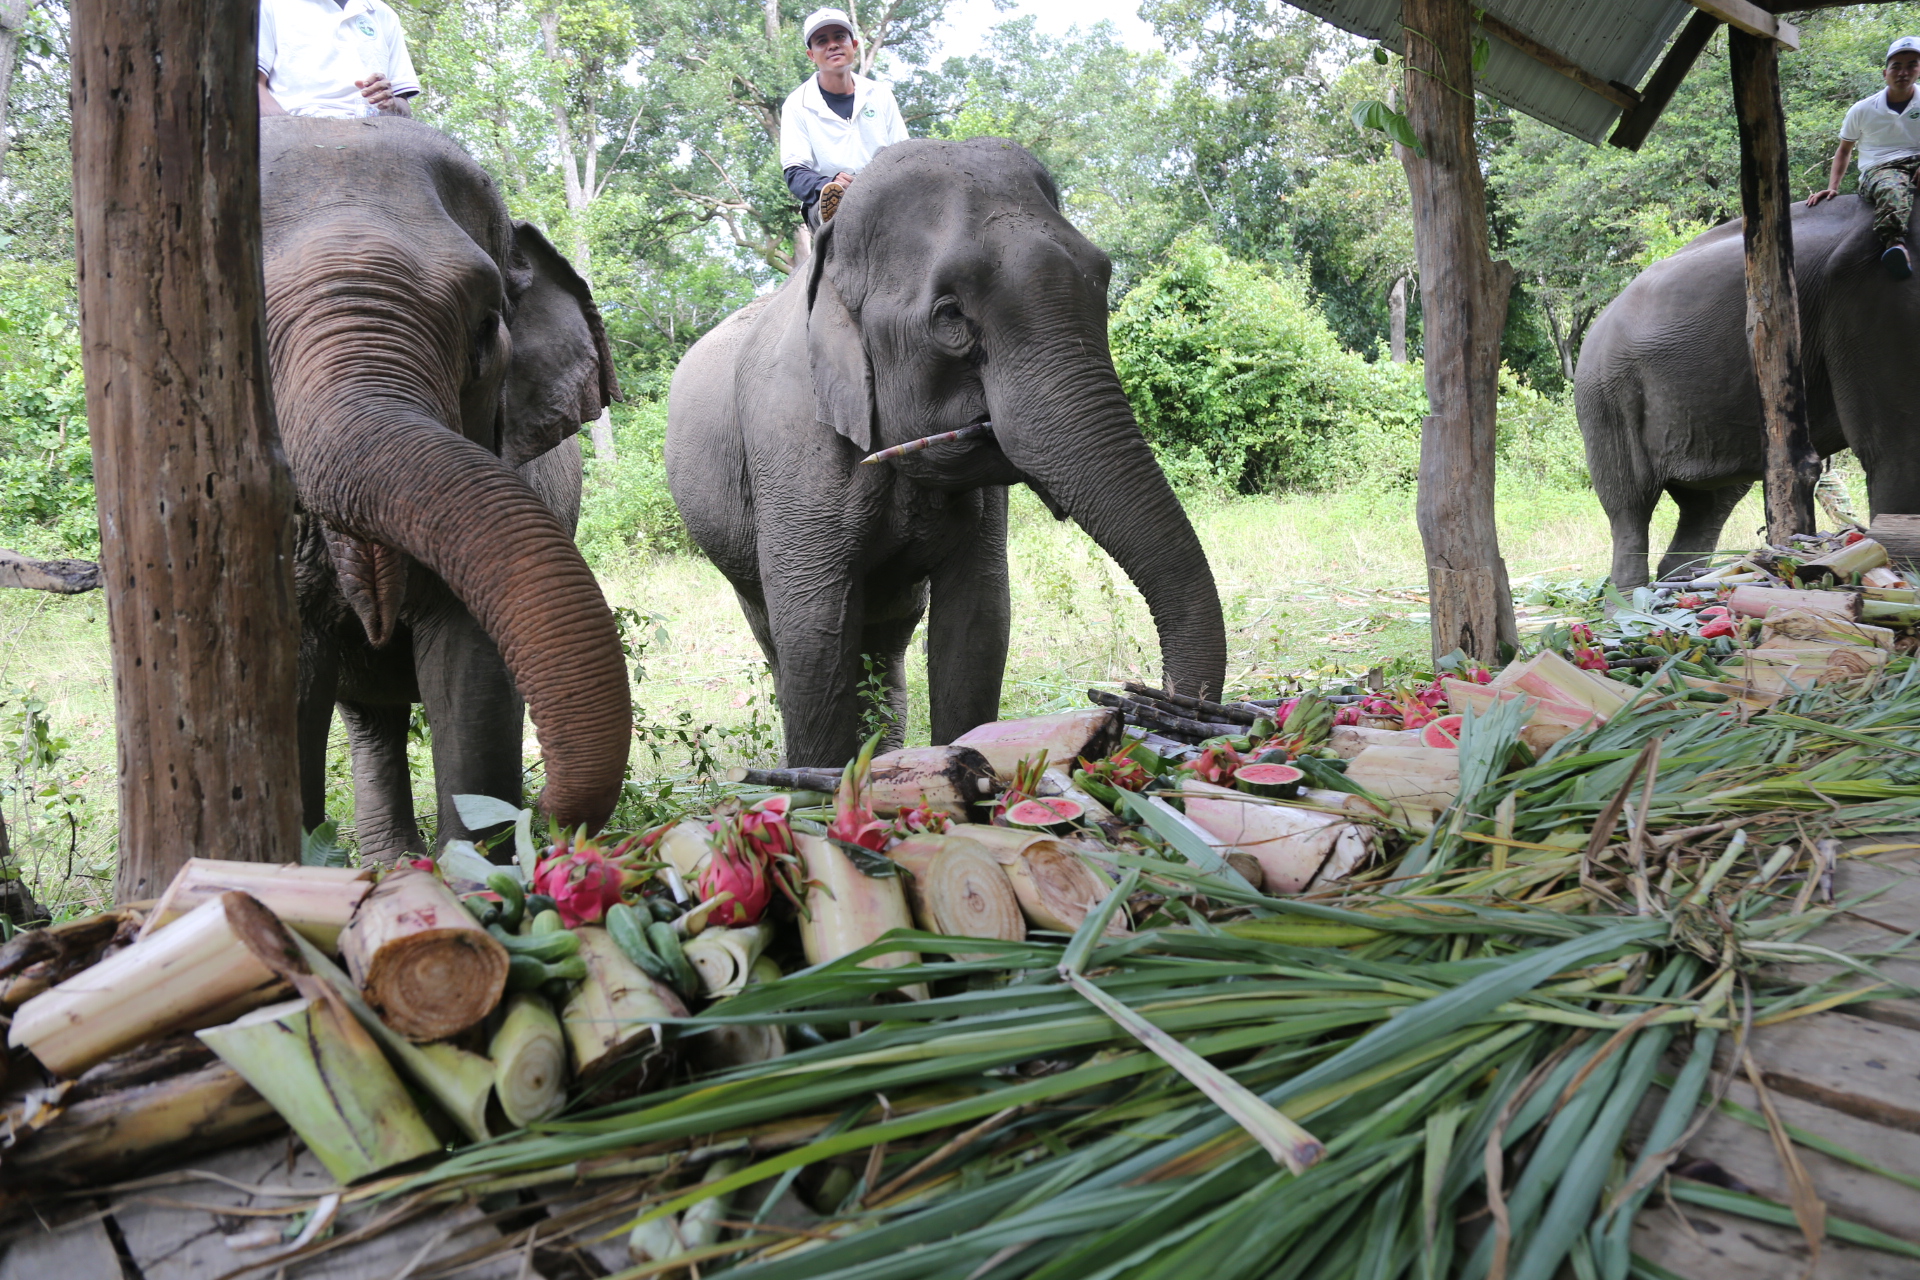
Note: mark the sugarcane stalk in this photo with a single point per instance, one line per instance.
(326, 1076)
(846, 908)
(315, 902)
(824, 780)
(1148, 717)
(616, 1010)
(1241, 713)
(971, 432)
(200, 969)
(958, 889)
(424, 964)
(529, 1061)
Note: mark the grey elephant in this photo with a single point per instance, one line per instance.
(1667, 399)
(432, 360)
(947, 291)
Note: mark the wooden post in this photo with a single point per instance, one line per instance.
(196, 505)
(1463, 301)
(1773, 306)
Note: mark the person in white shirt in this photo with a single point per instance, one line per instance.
(345, 58)
(834, 123)
(1886, 129)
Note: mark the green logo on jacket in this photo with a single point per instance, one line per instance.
(869, 113)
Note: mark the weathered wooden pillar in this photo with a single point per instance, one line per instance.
(1463, 307)
(1773, 305)
(196, 506)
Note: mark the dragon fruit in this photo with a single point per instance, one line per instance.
(920, 822)
(1216, 764)
(853, 821)
(1119, 770)
(1589, 659)
(737, 870)
(582, 879)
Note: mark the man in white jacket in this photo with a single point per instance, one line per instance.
(832, 125)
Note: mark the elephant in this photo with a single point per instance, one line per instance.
(1667, 399)
(431, 362)
(948, 291)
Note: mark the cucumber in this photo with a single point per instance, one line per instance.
(546, 922)
(482, 910)
(513, 898)
(624, 926)
(667, 944)
(537, 903)
(524, 973)
(1706, 695)
(541, 946)
(661, 909)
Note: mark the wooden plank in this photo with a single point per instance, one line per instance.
(1773, 306)
(1719, 1246)
(1876, 924)
(1620, 95)
(1854, 1065)
(80, 1251)
(1751, 19)
(1686, 48)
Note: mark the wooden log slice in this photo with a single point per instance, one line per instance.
(425, 965)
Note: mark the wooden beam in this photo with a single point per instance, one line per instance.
(1744, 15)
(1773, 306)
(1665, 81)
(1463, 295)
(196, 503)
(1620, 95)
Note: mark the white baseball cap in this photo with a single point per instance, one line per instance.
(838, 18)
(1905, 44)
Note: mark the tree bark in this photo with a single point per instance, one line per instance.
(13, 21)
(1463, 299)
(195, 502)
(1397, 321)
(1773, 305)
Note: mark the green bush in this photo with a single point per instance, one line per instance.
(1241, 386)
(46, 466)
(626, 510)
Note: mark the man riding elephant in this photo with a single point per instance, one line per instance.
(1886, 128)
(343, 58)
(833, 125)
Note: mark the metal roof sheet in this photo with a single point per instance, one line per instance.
(1616, 40)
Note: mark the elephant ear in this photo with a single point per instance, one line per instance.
(842, 381)
(561, 371)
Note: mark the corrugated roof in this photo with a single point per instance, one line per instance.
(1616, 40)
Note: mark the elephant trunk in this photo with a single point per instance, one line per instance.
(383, 468)
(1061, 418)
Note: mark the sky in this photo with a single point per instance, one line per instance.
(968, 22)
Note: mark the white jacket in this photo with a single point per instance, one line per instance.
(812, 135)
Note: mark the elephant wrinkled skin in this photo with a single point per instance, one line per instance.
(1668, 400)
(947, 290)
(432, 360)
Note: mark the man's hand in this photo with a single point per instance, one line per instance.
(1818, 196)
(378, 90)
(844, 178)
(269, 105)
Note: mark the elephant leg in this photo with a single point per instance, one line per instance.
(383, 821)
(1629, 519)
(885, 643)
(1703, 514)
(476, 715)
(967, 631)
(755, 609)
(313, 720)
(816, 629)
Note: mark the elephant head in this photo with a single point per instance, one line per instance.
(423, 346)
(950, 290)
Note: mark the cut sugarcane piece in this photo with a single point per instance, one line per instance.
(315, 902)
(327, 1078)
(950, 780)
(1092, 735)
(1349, 740)
(1842, 564)
(1415, 781)
(1812, 626)
(461, 1082)
(727, 1045)
(616, 1012)
(724, 958)
(959, 890)
(1296, 848)
(849, 909)
(114, 1133)
(529, 1060)
(424, 964)
(1758, 602)
(176, 980)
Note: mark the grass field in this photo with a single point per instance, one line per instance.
(1308, 583)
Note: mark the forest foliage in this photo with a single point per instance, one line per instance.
(1255, 231)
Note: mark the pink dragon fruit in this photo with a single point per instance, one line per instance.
(853, 821)
(737, 870)
(582, 880)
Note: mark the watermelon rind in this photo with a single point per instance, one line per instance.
(1278, 781)
(1044, 815)
(1443, 732)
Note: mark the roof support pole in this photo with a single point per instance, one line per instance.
(196, 504)
(1463, 296)
(1773, 306)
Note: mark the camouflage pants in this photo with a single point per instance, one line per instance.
(1888, 189)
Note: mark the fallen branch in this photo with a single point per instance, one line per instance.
(62, 577)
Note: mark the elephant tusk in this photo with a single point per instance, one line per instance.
(927, 442)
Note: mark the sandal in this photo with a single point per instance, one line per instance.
(1899, 266)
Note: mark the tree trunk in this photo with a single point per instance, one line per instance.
(579, 191)
(1463, 300)
(1773, 306)
(13, 20)
(770, 11)
(1397, 321)
(601, 434)
(195, 502)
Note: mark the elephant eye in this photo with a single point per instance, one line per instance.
(950, 324)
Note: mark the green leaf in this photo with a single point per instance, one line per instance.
(1482, 49)
(321, 847)
(875, 866)
(1380, 54)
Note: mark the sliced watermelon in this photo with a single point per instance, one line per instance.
(1054, 811)
(1442, 732)
(1281, 781)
